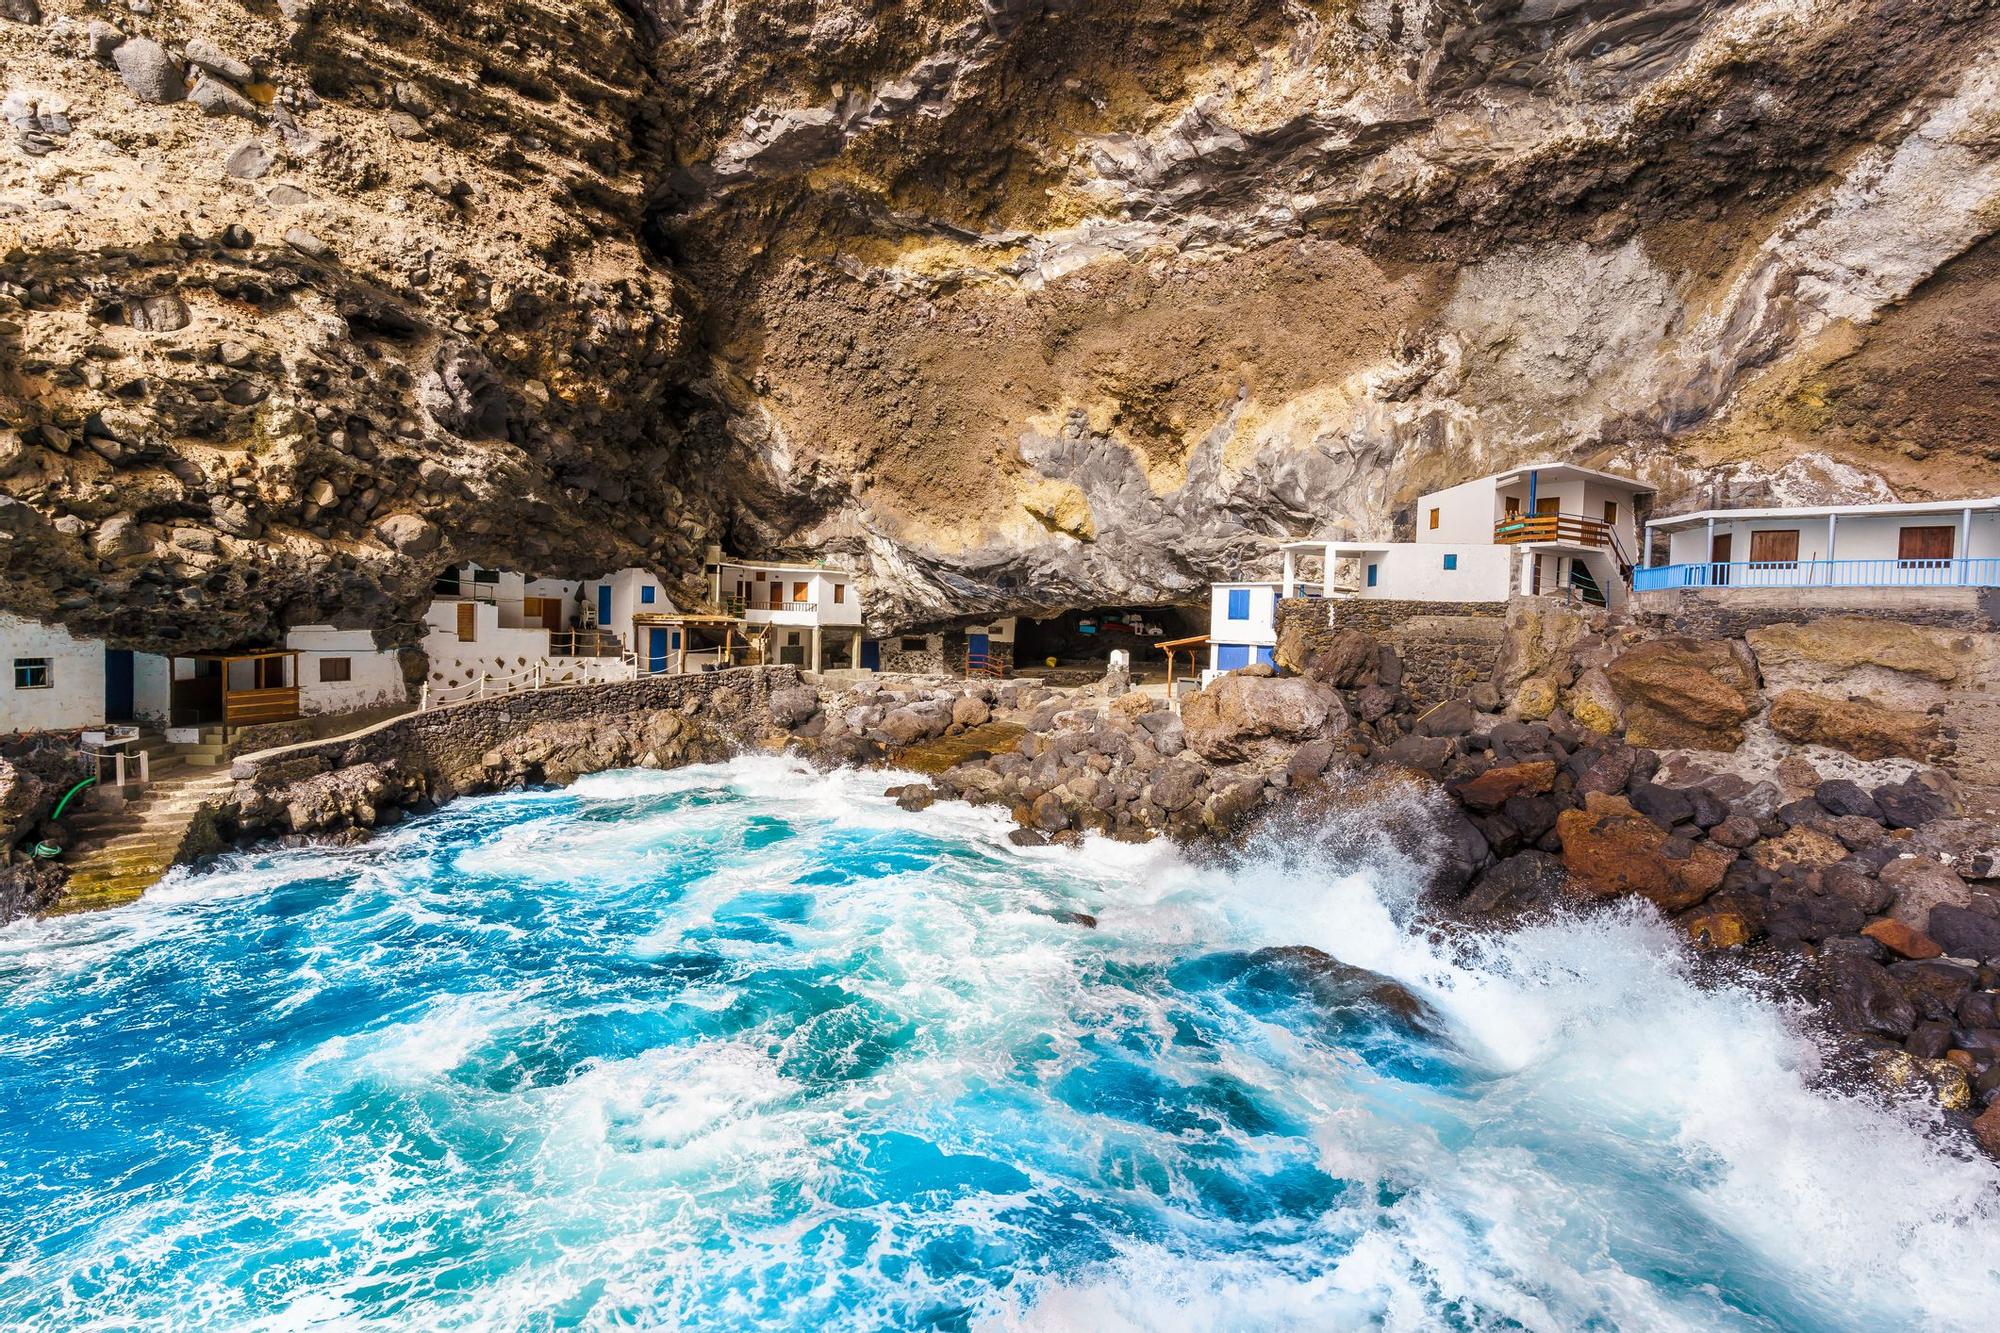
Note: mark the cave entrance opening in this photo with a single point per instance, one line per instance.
(1081, 641)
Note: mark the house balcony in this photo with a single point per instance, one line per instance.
(1886, 573)
(1568, 529)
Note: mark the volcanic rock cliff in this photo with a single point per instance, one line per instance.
(1022, 303)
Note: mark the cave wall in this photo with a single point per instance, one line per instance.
(1020, 305)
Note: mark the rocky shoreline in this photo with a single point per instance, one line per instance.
(1874, 903)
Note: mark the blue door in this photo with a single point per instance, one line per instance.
(1231, 656)
(871, 654)
(118, 685)
(656, 652)
(1268, 656)
(604, 606)
(976, 650)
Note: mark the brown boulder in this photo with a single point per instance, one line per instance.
(1490, 790)
(1987, 1130)
(1900, 939)
(1800, 846)
(1712, 927)
(1609, 849)
(970, 711)
(1348, 658)
(1685, 693)
(1920, 884)
(1862, 728)
(1236, 712)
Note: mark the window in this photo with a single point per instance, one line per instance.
(647, 593)
(799, 592)
(336, 670)
(1610, 512)
(1931, 544)
(913, 644)
(1239, 603)
(1513, 506)
(839, 593)
(32, 673)
(1451, 561)
(1774, 547)
(1371, 576)
(1434, 520)
(485, 576)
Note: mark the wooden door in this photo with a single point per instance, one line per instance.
(1718, 558)
(552, 613)
(468, 623)
(1933, 545)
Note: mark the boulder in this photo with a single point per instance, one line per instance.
(1919, 886)
(1835, 644)
(1911, 804)
(970, 711)
(1685, 693)
(1665, 806)
(1491, 789)
(1347, 659)
(1535, 699)
(914, 722)
(1178, 786)
(1864, 997)
(146, 68)
(1524, 882)
(1309, 761)
(1610, 849)
(1986, 1129)
(1799, 848)
(794, 705)
(1964, 933)
(1236, 713)
(916, 796)
(1594, 703)
(409, 534)
(21, 11)
(209, 56)
(1453, 717)
(1862, 728)
(1842, 797)
(1900, 939)
(1719, 924)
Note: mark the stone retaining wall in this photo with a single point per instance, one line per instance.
(1729, 613)
(1446, 648)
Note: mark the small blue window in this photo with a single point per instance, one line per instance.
(1232, 656)
(1268, 656)
(1371, 576)
(646, 594)
(1451, 562)
(1239, 603)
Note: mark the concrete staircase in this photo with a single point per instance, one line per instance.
(121, 849)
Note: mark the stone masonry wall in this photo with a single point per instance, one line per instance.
(1446, 647)
(1732, 612)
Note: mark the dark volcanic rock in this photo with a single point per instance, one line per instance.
(1865, 997)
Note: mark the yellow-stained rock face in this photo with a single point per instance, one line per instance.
(1837, 644)
(1862, 728)
(1681, 692)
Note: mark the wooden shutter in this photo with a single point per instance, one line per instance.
(1925, 543)
(1774, 547)
(1548, 504)
(467, 624)
(1610, 511)
(799, 592)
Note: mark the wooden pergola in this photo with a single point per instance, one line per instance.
(688, 624)
(270, 693)
(1191, 645)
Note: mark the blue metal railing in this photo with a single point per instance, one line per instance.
(1981, 572)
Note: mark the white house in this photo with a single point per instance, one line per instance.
(342, 671)
(806, 614)
(1541, 528)
(1242, 625)
(1947, 543)
(55, 681)
(510, 629)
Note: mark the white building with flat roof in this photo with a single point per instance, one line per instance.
(1538, 529)
(805, 613)
(1931, 544)
(1242, 625)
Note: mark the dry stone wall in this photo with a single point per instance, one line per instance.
(1446, 649)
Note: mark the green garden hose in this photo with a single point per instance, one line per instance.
(60, 805)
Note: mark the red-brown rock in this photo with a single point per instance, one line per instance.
(1900, 939)
(1490, 790)
(1987, 1130)
(1609, 849)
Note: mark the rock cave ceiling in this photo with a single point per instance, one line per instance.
(1019, 305)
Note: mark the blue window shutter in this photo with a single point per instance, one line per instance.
(1371, 576)
(646, 594)
(1268, 656)
(1451, 562)
(1239, 603)
(1230, 656)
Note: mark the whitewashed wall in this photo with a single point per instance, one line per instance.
(1415, 572)
(376, 677)
(75, 695)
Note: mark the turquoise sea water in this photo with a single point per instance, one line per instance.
(747, 1046)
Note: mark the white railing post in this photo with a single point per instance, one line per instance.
(119, 758)
(424, 698)
(480, 693)
(145, 768)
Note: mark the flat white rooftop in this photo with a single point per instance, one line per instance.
(1562, 471)
(1823, 511)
